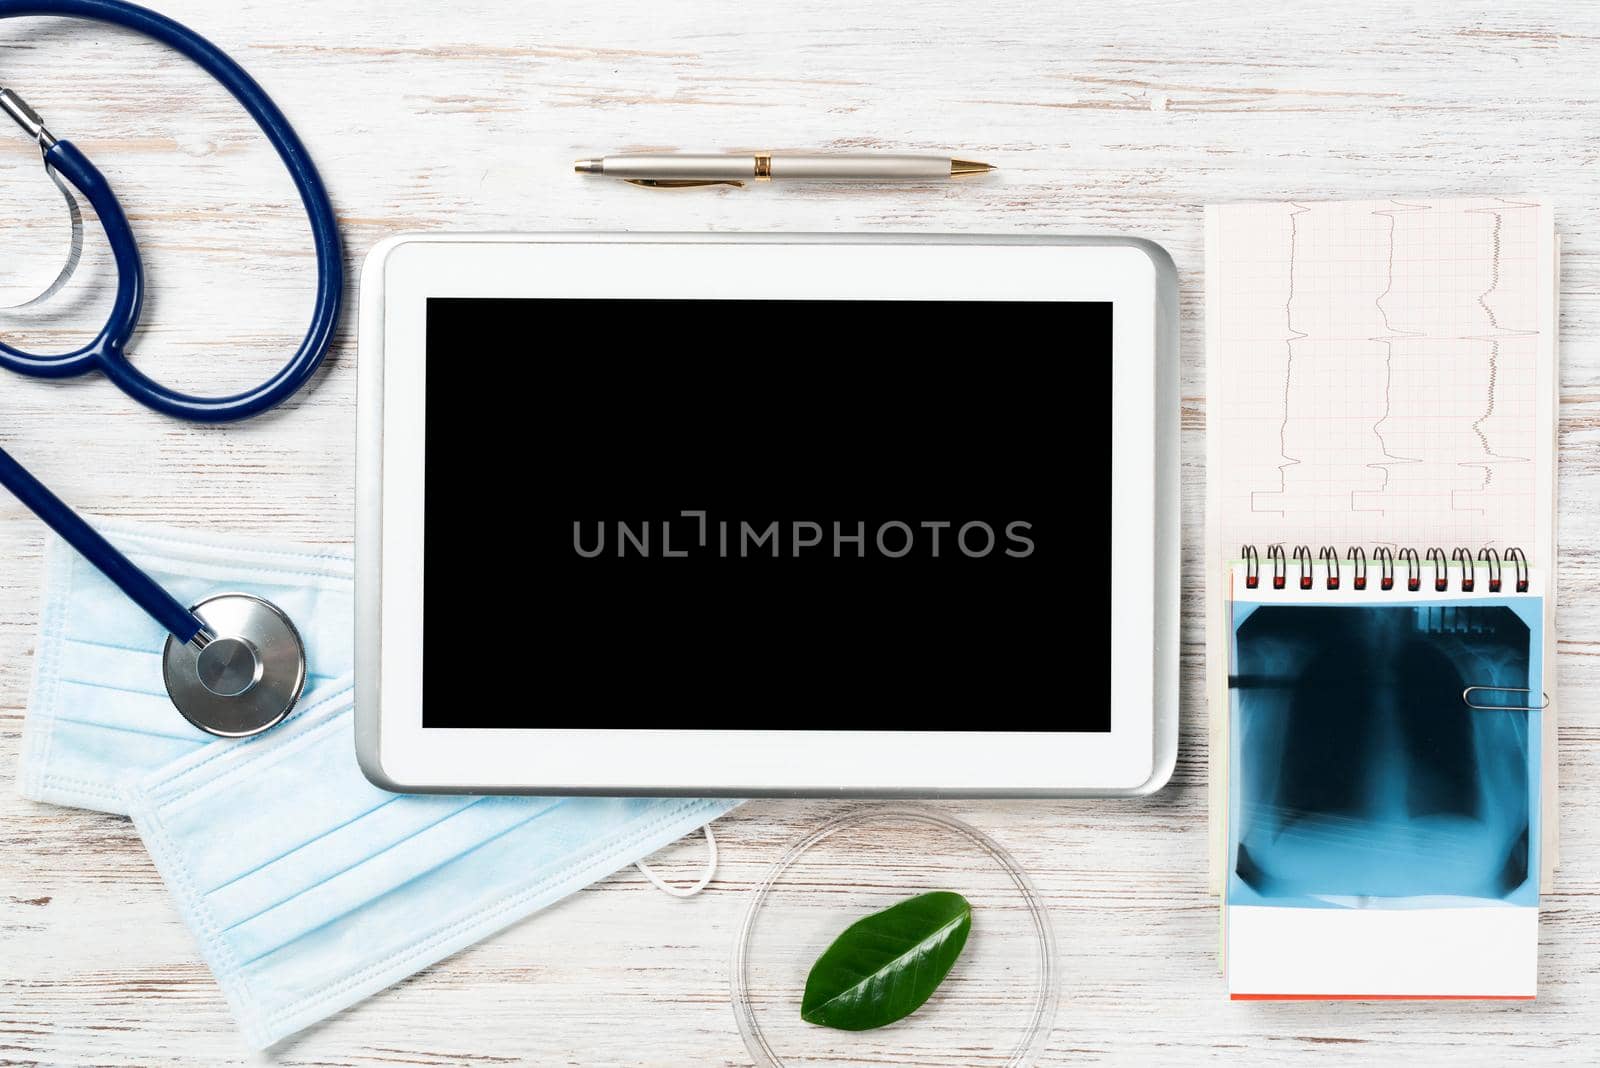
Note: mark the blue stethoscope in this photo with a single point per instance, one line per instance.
(234, 665)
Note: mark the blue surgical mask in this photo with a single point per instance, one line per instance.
(99, 717)
(310, 889)
(307, 887)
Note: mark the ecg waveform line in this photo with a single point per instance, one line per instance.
(1497, 332)
(1387, 339)
(1347, 323)
(1291, 337)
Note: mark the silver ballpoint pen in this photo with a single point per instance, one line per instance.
(670, 170)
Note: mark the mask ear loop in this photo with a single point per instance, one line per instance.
(686, 891)
(74, 248)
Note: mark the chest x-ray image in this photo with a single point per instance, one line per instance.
(1362, 778)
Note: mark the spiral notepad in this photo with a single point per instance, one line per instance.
(1380, 553)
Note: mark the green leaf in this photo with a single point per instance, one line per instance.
(886, 965)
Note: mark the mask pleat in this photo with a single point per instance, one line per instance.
(359, 886)
(532, 861)
(93, 618)
(96, 726)
(301, 768)
(80, 750)
(330, 855)
(111, 709)
(103, 659)
(119, 690)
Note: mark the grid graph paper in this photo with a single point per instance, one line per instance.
(1376, 370)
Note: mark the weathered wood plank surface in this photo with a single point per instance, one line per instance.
(1104, 117)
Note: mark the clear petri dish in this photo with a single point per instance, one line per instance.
(998, 1003)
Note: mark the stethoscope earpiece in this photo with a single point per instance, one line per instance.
(243, 673)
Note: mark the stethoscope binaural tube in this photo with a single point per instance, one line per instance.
(108, 351)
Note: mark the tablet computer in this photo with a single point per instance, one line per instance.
(741, 515)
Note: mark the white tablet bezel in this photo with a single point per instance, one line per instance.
(397, 752)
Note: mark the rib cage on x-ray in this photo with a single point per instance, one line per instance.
(1363, 773)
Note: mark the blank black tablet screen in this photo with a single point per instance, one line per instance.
(782, 515)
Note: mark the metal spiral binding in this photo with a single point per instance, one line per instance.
(1492, 558)
(1302, 556)
(1383, 559)
(1358, 559)
(1441, 570)
(1515, 556)
(1330, 562)
(1413, 569)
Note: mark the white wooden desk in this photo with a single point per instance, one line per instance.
(1103, 117)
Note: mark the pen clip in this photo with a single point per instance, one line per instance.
(665, 183)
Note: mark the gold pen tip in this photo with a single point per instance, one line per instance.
(587, 166)
(960, 167)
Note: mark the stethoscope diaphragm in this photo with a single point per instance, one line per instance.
(242, 675)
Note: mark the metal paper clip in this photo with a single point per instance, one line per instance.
(1466, 699)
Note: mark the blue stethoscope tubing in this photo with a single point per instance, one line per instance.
(145, 591)
(108, 350)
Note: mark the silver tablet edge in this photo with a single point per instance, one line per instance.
(369, 510)
(369, 514)
(1167, 561)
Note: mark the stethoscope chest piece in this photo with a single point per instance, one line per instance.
(242, 678)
